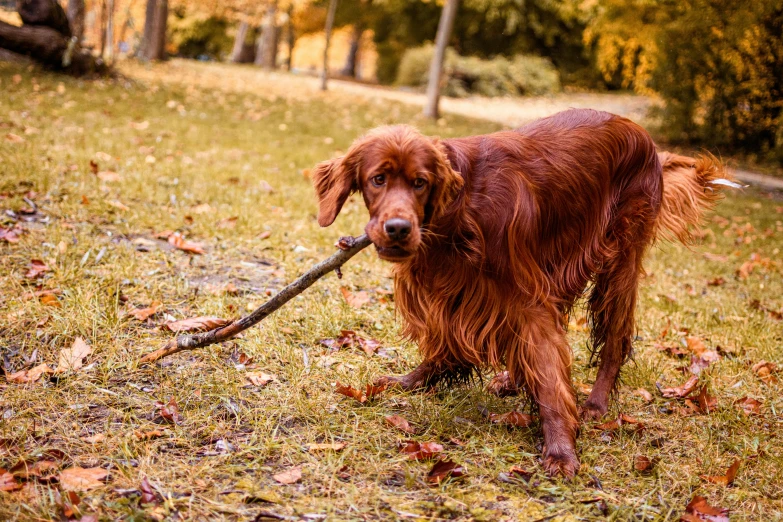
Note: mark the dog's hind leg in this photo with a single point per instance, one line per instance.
(611, 305)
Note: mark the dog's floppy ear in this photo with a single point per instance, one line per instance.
(335, 180)
(448, 183)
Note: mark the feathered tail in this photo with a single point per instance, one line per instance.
(691, 186)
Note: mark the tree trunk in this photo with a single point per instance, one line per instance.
(445, 26)
(50, 48)
(239, 42)
(76, 18)
(108, 50)
(291, 36)
(328, 38)
(153, 45)
(266, 54)
(352, 59)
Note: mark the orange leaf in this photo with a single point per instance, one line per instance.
(349, 391)
(357, 300)
(82, 479)
(289, 476)
(73, 358)
(37, 269)
(680, 391)
(8, 481)
(335, 446)
(444, 469)
(700, 510)
(196, 324)
(177, 241)
(170, 411)
(749, 406)
(512, 418)
(31, 375)
(727, 479)
(142, 314)
(400, 423)
(421, 450)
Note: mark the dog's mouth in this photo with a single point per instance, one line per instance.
(392, 253)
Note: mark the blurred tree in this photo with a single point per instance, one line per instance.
(328, 36)
(153, 43)
(76, 17)
(718, 64)
(266, 53)
(445, 26)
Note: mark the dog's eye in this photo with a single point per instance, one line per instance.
(419, 183)
(379, 180)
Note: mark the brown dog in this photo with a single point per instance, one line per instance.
(494, 238)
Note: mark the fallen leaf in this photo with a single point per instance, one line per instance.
(749, 406)
(37, 269)
(50, 300)
(512, 418)
(82, 479)
(289, 476)
(335, 446)
(421, 450)
(95, 439)
(522, 472)
(724, 480)
(644, 394)
(400, 423)
(203, 208)
(444, 469)
(698, 509)
(14, 138)
(108, 175)
(259, 379)
(643, 464)
(265, 235)
(621, 420)
(671, 350)
(148, 494)
(142, 314)
(680, 391)
(39, 468)
(349, 391)
(31, 375)
(93, 167)
(8, 481)
(69, 502)
(195, 324)
(102, 156)
(229, 222)
(170, 411)
(148, 435)
(371, 390)
(718, 281)
(765, 371)
(177, 241)
(356, 300)
(72, 359)
(11, 235)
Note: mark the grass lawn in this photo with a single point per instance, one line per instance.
(225, 165)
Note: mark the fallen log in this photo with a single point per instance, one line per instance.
(348, 247)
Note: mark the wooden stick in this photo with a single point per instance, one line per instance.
(349, 247)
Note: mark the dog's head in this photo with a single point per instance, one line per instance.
(406, 181)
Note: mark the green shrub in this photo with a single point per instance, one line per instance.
(205, 38)
(465, 75)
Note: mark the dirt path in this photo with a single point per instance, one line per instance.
(510, 112)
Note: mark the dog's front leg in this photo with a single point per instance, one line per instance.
(542, 360)
(425, 375)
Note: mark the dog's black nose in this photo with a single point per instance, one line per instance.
(397, 228)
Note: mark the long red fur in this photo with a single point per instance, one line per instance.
(536, 215)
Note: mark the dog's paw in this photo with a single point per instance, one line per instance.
(592, 412)
(502, 385)
(403, 382)
(563, 465)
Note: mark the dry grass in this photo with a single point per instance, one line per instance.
(214, 146)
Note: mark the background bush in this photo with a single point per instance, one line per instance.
(465, 75)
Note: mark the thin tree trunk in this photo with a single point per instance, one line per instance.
(239, 43)
(103, 27)
(266, 54)
(445, 26)
(352, 60)
(153, 45)
(108, 52)
(291, 36)
(328, 38)
(76, 18)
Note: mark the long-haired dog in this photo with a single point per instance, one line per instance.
(495, 237)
